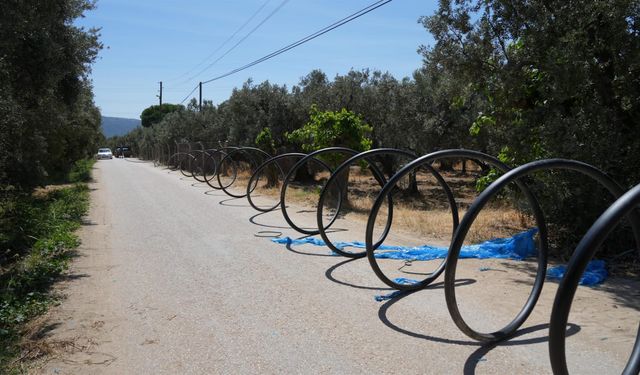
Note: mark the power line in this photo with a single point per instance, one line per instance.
(299, 42)
(225, 42)
(192, 91)
(306, 39)
(241, 40)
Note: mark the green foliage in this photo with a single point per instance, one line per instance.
(81, 170)
(330, 129)
(493, 174)
(481, 122)
(522, 80)
(264, 141)
(36, 251)
(47, 115)
(548, 79)
(155, 113)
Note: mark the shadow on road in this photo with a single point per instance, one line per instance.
(199, 184)
(211, 193)
(477, 356)
(291, 249)
(224, 203)
(253, 220)
(384, 309)
(483, 349)
(329, 275)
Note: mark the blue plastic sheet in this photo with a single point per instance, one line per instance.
(595, 273)
(385, 297)
(520, 246)
(301, 241)
(405, 281)
(399, 280)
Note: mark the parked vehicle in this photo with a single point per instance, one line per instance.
(104, 153)
(123, 152)
(126, 151)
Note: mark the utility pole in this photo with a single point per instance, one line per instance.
(200, 101)
(160, 96)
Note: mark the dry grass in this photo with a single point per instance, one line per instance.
(492, 222)
(44, 191)
(413, 216)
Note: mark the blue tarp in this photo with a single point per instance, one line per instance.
(520, 246)
(385, 297)
(595, 273)
(399, 280)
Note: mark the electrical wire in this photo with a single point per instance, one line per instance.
(299, 42)
(306, 39)
(273, 12)
(223, 43)
(192, 91)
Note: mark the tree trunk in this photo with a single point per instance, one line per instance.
(272, 177)
(412, 189)
(339, 189)
(446, 165)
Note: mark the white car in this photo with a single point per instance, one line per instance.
(104, 153)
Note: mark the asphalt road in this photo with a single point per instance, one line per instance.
(171, 279)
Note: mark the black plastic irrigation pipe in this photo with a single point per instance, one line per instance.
(368, 156)
(255, 178)
(335, 178)
(220, 153)
(420, 162)
(516, 176)
(290, 176)
(252, 162)
(203, 160)
(625, 206)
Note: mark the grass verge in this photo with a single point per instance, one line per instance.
(36, 245)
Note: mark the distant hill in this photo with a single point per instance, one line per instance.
(117, 125)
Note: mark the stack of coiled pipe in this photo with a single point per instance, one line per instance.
(240, 172)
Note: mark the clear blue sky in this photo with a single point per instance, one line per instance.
(161, 40)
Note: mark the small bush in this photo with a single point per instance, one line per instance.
(41, 242)
(81, 171)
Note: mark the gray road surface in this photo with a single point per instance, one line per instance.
(171, 280)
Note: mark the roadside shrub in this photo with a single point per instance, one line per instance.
(81, 171)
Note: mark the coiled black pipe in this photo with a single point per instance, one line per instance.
(516, 175)
(626, 206)
(250, 153)
(420, 162)
(255, 177)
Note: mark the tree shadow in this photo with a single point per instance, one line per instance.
(528, 267)
(85, 222)
(625, 292)
(44, 331)
(329, 275)
(75, 276)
